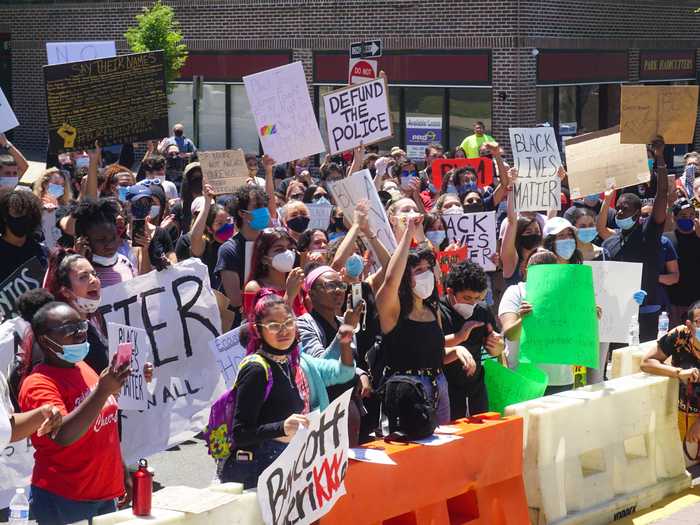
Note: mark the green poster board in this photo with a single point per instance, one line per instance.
(506, 387)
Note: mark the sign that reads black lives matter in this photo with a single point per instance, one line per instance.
(111, 100)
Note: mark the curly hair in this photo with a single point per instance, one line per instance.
(306, 238)
(20, 203)
(92, 212)
(466, 276)
(242, 199)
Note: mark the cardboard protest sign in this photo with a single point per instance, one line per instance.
(535, 152)
(537, 194)
(448, 258)
(279, 100)
(506, 387)
(62, 52)
(648, 111)
(34, 171)
(134, 392)
(228, 353)
(478, 232)
(178, 311)
(483, 167)
(563, 326)
(225, 171)
(320, 215)
(358, 115)
(615, 283)
(306, 480)
(27, 277)
(113, 100)
(8, 120)
(596, 161)
(348, 192)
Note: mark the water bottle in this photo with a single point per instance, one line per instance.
(19, 509)
(633, 339)
(143, 489)
(663, 325)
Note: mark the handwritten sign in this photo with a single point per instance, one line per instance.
(320, 215)
(27, 277)
(113, 100)
(286, 122)
(537, 194)
(482, 166)
(358, 115)
(134, 392)
(596, 161)
(228, 353)
(225, 171)
(348, 192)
(178, 311)
(8, 120)
(62, 52)
(648, 111)
(448, 258)
(306, 480)
(478, 232)
(535, 152)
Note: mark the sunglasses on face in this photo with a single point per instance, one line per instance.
(71, 329)
(276, 328)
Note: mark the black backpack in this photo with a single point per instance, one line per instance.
(411, 413)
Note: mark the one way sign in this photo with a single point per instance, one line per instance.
(368, 49)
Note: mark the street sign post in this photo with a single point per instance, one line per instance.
(362, 70)
(367, 49)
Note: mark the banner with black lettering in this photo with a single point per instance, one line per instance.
(27, 277)
(178, 311)
(476, 231)
(306, 480)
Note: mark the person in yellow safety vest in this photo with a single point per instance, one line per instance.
(472, 144)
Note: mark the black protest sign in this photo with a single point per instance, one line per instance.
(111, 100)
(27, 277)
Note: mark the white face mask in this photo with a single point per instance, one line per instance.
(86, 306)
(155, 210)
(425, 284)
(283, 262)
(465, 310)
(105, 261)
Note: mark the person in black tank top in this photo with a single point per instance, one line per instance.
(414, 343)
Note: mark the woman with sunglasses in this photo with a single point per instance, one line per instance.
(269, 413)
(78, 470)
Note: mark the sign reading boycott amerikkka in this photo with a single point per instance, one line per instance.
(306, 480)
(482, 166)
(111, 100)
(225, 171)
(357, 115)
(477, 231)
(536, 156)
(134, 392)
(177, 309)
(27, 277)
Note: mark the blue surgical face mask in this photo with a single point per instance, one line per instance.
(565, 248)
(625, 224)
(123, 190)
(685, 225)
(354, 266)
(436, 237)
(72, 353)
(451, 188)
(155, 210)
(55, 190)
(650, 163)
(587, 234)
(259, 218)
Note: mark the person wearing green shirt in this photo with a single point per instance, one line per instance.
(472, 144)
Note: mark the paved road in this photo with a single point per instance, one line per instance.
(188, 464)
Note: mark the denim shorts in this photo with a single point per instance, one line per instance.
(48, 508)
(248, 472)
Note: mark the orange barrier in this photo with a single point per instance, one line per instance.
(474, 480)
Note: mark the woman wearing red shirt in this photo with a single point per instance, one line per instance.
(78, 470)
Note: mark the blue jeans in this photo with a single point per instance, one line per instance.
(48, 508)
(248, 472)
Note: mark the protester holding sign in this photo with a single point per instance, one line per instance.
(20, 216)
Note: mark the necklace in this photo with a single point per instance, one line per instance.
(283, 366)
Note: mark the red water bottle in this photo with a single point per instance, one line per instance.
(143, 489)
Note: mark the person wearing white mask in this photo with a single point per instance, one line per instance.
(414, 318)
(468, 322)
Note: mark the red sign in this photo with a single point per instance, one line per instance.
(362, 70)
(450, 257)
(483, 167)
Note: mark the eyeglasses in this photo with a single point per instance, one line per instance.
(150, 182)
(332, 286)
(71, 329)
(276, 328)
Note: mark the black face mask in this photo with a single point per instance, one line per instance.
(19, 226)
(339, 224)
(196, 186)
(530, 241)
(299, 224)
(179, 133)
(275, 351)
(473, 208)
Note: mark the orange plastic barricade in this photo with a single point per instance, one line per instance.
(474, 480)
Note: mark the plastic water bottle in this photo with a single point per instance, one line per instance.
(633, 339)
(19, 509)
(663, 325)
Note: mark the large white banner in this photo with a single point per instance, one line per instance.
(280, 102)
(178, 311)
(228, 352)
(62, 52)
(306, 480)
(477, 231)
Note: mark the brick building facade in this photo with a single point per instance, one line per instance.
(508, 62)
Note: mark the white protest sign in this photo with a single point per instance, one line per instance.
(537, 194)
(62, 52)
(280, 102)
(357, 115)
(320, 215)
(348, 192)
(478, 232)
(228, 353)
(535, 152)
(178, 310)
(614, 284)
(306, 480)
(134, 392)
(8, 120)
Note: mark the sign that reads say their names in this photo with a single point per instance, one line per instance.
(280, 102)
(27, 277)
(178, 310)
(477, 231)
(228, 352)
(63, 52)
(8, 120)
(306, 480)
(225, 171)
(357, 115)
(134, 392)
(111, 100)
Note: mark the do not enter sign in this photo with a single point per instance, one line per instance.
(362, 70)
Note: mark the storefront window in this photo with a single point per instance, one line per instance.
(466, 106)
(567, 106)
(589, 104)
(545, 105)
(180, 108)
(243, 130)
(212, 117)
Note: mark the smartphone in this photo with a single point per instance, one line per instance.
(124, 351)
(356, 294)
(138, 227)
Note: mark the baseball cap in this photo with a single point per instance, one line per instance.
(138, 191)
(556, 225)
(681, 204)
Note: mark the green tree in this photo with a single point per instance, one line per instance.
(158, 29)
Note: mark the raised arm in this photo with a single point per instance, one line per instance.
(658, 211)
(509, 254)
(197, 243)
(95, 157)
(347, 245)
(503, 180)
(357, 158)
(269, 164)
(22, 164)
(601, 224)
